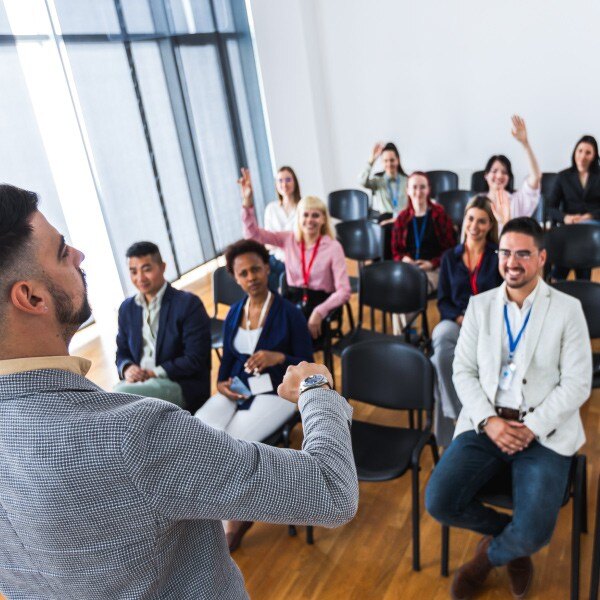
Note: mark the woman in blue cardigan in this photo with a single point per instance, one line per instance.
(263, 335)
(467, 269)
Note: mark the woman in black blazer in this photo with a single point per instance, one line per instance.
(575, 197)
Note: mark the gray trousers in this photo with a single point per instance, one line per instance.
(155, 387)
(447, 405)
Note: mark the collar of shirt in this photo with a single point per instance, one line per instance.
(527, 303)
(155, 302)
(74, 364)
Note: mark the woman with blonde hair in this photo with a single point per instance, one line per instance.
(468, 269)
(315, 264)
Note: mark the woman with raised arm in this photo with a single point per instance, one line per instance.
(280, 215)
(315, 264)
(263, 335)
(575, 197)
(468, 269)
(498, 173)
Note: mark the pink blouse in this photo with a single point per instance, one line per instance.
(328, 272)
(524, 201)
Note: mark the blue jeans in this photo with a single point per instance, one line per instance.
(539, 481)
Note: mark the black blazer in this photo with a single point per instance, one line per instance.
(183, 344)
(567, 197)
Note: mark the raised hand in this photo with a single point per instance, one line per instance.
(501, 206)
(245, 184)
(519, 130)
(376, 152)
(290, 386)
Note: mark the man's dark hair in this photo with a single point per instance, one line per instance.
(16, 209)
(245, 247)
(140, 249)
(526, 226)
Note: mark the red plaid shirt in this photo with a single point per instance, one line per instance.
(442, 225)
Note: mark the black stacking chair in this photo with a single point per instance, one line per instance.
(348, 205)
(225, 291)
(454, 203)
(479, 184)
(588, 293)
(391, 374)
(573, 246)
(391, 287)
(548, 180)
(442, 181)
(595, 577)
(498, 493)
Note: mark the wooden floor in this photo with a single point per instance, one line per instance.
(370, 558)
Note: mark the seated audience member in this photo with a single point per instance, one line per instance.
(315, 264)
(575, 197)
(163, 344)
(522, 369)
(264, 334)
(466, 270)
(280, 215)
(498, 172)
(423, 231)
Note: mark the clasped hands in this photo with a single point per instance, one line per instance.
(510, 436)
(134, 374)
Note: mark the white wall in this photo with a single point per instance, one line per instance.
(440, 78)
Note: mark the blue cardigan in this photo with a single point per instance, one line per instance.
(454, 287)
(285, 331)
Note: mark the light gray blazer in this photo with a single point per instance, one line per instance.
(558, 371)
(112, 496)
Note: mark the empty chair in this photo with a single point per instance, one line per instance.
(454, 203)
(588, 293)
(442, 181)
(394, 375)
(574, 246)
(480, 186)
(225, 291)
(548, 180)
(348, 205)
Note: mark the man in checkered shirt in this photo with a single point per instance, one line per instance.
(114, 496)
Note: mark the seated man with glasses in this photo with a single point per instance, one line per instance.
(522, 370)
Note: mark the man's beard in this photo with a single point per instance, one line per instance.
(66, 314)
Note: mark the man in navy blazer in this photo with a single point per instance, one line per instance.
(163, 343)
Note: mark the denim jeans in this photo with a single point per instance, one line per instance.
(539, 481)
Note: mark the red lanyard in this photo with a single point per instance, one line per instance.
(306, 271)
(473, 274)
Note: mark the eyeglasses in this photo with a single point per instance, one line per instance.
(504, 254)
(284, 180)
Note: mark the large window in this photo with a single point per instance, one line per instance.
(167, 100)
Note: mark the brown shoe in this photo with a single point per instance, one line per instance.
(234, 538)
(470, 577)
(520, 575)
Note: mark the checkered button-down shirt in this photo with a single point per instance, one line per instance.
(112, 496)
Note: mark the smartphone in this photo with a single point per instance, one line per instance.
(239, 387)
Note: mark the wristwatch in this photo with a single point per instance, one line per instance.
(313, 381)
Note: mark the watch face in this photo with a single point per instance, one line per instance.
(314, 379)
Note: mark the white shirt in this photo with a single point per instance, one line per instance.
(245, 340)
(276, 219)
(150, 320)
(513, 397)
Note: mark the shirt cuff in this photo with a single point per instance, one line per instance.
(161, 373)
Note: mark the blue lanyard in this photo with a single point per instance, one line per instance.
(514, 342)
(419, 235)
(393, 196)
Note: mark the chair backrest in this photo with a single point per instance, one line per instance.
(442, 181)
(394, 287)
(348, 205)
(454, 203)
(588, 293)
(548, 180)
(480, 186)
(574, 246)
(225, 288)
(362, 240)
(387, 373)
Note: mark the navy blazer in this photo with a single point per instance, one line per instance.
(567, 197)
(285, 330)
(183, 344)
(454, 286)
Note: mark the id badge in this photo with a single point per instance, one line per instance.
(506, 376)
(260, 384)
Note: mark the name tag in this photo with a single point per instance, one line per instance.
(260, 384)
(506, 376)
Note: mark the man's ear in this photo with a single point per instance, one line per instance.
(25, 296)
(543, 257)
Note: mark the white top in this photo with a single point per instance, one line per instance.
(245, 340)
(276, 219)
(513, 397)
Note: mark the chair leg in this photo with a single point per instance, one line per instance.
(445, 549)
(595, 578)
(576, 529)
(415, 518)
(350, 316)
(584, 502)
(434, 450)
(292, 531)
(217, 353)
(309, 535)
